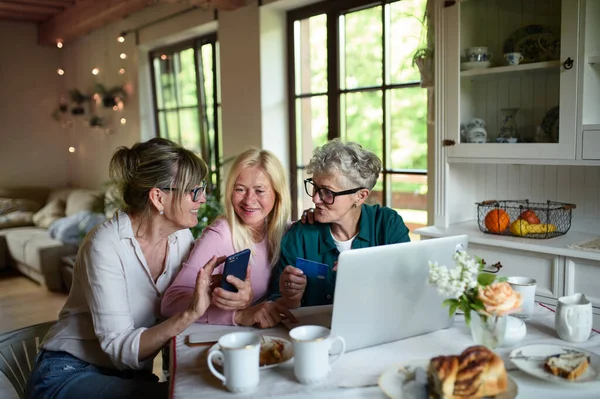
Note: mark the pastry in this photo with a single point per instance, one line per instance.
(567, 365)
(475, 373)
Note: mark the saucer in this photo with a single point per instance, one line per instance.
(465, 66)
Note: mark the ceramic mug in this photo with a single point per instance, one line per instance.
(526, 287)
(239, 353)
(573, 319)
(311, 352)
(478, 54)
(513, 58)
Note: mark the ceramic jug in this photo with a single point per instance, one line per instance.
(573, 319)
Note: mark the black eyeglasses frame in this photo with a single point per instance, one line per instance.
(334, 193)
(195, 191)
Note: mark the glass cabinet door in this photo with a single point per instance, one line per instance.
(513, 62)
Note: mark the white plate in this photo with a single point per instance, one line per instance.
(288, 352)
(465, 66)
(531, 358)
(397, 382)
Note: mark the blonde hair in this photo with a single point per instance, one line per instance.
(279, 217)
(157, 163)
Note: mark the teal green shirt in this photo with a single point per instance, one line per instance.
(377, 226)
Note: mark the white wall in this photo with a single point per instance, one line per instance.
(33, 148)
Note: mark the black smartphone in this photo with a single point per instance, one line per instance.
(236, 265)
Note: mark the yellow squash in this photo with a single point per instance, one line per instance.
(540, 228)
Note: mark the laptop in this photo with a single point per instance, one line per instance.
(382, 293)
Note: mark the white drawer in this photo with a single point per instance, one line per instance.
(582, 275)
(591, 144)
(545, 268)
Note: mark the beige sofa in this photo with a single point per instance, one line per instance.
(24, 239)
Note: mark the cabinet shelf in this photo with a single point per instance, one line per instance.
(594, 59)
(510, 71)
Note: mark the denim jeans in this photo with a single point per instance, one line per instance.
(59, 375)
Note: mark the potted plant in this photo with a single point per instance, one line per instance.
(424, 60)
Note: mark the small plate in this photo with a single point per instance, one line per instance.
(287, 353)
(465, 66)
(531, 358)
(397, 382)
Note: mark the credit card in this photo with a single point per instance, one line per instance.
(312, 269)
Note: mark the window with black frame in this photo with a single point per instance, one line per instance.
(351, 75)
(187, 99)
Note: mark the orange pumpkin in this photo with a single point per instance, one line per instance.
(497, 220)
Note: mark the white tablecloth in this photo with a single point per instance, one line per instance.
(357, 372)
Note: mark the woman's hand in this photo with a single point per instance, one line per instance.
(204, 286)
(292, 284)
(263, 315)
(308, 216)
(228, 300)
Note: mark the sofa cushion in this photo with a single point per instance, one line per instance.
(8, 205)
(84, 200)
(52, 211)
(16, 219)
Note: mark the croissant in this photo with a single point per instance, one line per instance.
(478, 372)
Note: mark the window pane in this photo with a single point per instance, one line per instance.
(190, 130)
(166, 82)
(186, 78)
(169, 125)
(408, 128)
(376, 196)
(363, 119)
(409, 199)
(408, 33)
(310, 53)
(311, 126)
(361, 48)
(304, 201)
(160, 102)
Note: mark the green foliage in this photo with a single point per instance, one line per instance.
(207, 213)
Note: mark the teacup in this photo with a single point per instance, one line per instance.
(478, 54)
(477, 135)
(239, 353)
(573, 319)
(513, 58)
(526, 287)
(311, 352)
(475, 122)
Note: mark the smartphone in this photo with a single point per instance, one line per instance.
(312, 268)
(236, 265)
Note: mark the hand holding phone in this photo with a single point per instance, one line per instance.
(235, 265)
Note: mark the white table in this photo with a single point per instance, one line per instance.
(357, 372)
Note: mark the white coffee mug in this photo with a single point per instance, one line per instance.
(311, 352)
(526, 287)
(573, 319)
(239, 353)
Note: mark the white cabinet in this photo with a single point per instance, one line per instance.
(544, 88)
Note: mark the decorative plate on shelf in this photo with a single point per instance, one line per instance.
(549, 126)
(536, 43)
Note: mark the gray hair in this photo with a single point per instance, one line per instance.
(359, 166)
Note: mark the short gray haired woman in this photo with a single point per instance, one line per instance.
(110, 328)
(343, 175)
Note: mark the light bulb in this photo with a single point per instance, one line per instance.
(121, 39)
(115, 108)
(123, 121)
(121, 71)
(59, 44)
(95, 71)
(60, 71)
(163, 57)
(123, 56)
(71, 149)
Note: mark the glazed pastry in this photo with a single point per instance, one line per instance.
(567, 365)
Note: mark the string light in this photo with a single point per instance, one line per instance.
(122, 71)
(71, 149)
(60, 71)
(121, 37)
(123, 121)
(123, 56)
(59, 44)
(95, 71)
(163, 57)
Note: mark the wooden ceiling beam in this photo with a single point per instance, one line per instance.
(22, 17)
(51, 3)
(27, 8)
(85, 16)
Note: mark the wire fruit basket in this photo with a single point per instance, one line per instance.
(524, 219)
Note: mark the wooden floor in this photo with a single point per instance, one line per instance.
(24, 303)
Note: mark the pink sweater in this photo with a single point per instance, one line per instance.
(215, 240)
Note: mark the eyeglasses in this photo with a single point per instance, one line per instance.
(326, 195)
(195, 191)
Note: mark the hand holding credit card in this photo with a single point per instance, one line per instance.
(312, 269)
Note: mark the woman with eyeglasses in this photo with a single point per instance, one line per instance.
(110, 329)
(343, 175)
(257, 212)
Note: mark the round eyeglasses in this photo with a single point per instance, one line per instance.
(326, 195)
(195, 191)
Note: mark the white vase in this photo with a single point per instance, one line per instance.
(488, 331)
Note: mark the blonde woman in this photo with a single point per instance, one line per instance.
(257, 212)
(110, 328)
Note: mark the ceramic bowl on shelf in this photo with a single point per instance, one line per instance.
(465, 66)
